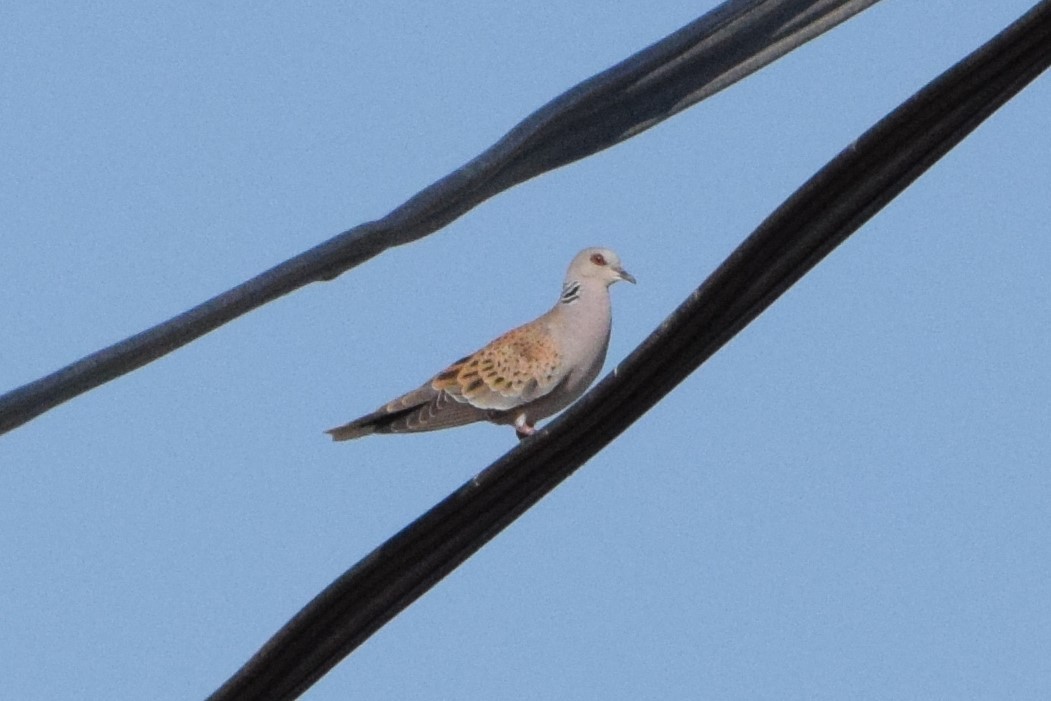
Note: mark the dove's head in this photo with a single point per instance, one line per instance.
(598, 264)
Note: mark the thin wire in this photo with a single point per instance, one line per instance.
(706, 55)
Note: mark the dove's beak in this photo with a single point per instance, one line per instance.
(624, 275)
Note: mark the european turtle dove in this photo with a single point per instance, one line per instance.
(527, 374)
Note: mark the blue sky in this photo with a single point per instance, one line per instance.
(850, 500)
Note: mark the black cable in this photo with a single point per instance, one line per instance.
(813, 221)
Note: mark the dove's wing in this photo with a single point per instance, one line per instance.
(513, 370)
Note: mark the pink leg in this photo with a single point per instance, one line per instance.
(523, 429)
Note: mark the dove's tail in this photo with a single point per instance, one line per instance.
(423, 409)
(352, 430)
(377, 422)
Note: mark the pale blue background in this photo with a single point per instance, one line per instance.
(851, 500)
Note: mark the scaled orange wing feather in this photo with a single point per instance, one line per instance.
(514, 369)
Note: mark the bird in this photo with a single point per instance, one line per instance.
(527, 374)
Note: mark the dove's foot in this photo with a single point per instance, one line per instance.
(523, 429)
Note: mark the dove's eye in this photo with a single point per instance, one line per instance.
(598, 259)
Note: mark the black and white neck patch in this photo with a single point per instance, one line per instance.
(570, 292)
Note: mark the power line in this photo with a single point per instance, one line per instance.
(800, 233)
(723, 46)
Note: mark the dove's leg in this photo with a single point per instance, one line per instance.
(523, 429)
